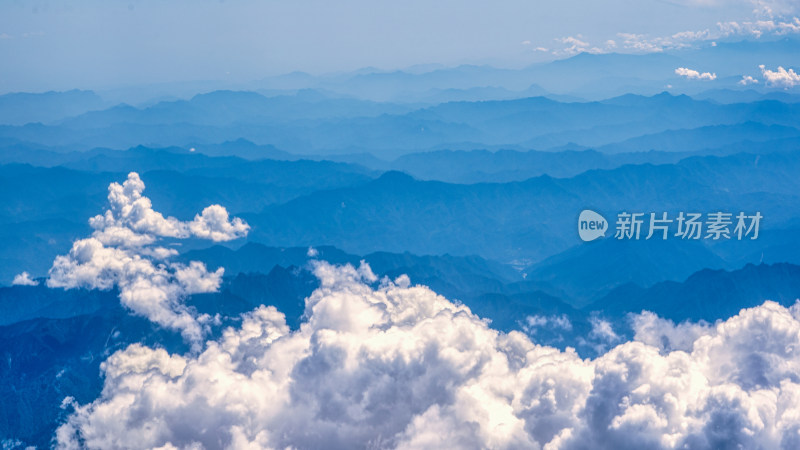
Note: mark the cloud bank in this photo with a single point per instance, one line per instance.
(121, 253)
(390, 365)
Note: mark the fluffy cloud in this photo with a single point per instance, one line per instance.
(603, 330)
(747, 79)
(131, 213)
(397, 366)
(213, 223)
(780, 78)
(24, 279)
(695, 75)
(665, 335)
(121, 252)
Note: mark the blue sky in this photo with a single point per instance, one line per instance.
(103, 44)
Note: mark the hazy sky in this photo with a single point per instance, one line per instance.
(110, 43)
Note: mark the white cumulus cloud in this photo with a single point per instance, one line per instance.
(695, 75)
(131, 213)
(665, 335)
(121, 252)
(746, 80)
(780, 78)
(398, 366)
(24, 279)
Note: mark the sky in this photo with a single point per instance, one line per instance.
(95, 44)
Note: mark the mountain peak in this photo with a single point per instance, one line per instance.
(395, 177)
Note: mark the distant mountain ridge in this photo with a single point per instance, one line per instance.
(530, 219)
(708, 294)
(21, 108)
(299, 125)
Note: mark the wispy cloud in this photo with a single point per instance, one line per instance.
(572, 45)
(643, 43)
(532, 324)
(647, 44)
(30, 34)
(758, 28)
